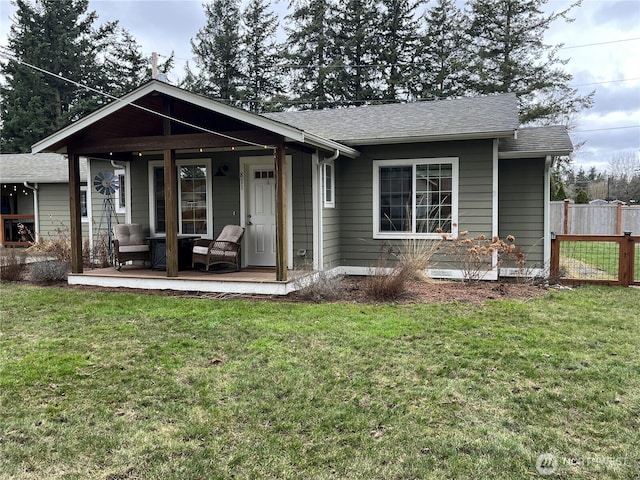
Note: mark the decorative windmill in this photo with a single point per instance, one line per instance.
(106, 183)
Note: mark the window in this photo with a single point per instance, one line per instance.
(120, 200)
(415, 198)
(329, 185)
(84, 203)
(194, 197)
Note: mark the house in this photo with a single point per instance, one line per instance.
(35, 193)
(320, 189)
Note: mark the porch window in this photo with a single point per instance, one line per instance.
(121, 192)
(329, 185)
(194, 198)
(415, 198)
(84, 203)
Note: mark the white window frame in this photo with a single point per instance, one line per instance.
(329, 202)
(413, 162)
(87, 199)
(180, 163)
(118, 194)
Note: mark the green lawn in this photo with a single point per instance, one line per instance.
(123, 386)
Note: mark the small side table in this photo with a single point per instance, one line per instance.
(158, 247)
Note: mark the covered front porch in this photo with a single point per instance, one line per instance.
(247, 281)
(188, 166)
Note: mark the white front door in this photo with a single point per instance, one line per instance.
(260, 234)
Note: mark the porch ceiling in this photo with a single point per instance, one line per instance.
(132, 129)
(139, 121)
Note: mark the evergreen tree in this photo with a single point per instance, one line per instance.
(510, 56)
(58, 37)
(444, 52)
(582, 197)
(310, 49)
(261, 57)
(125, 66)
(399, 40)
(357, 47)
(217, 50)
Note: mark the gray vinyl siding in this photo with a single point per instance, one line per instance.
(55, 217)
(302, 208)
(226, 191)
(331, 228)
(139, 201)
(354, 182)
(521, 206)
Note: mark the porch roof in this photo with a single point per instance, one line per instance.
(135, 122)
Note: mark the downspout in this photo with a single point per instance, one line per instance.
(335, 155)
(548, 162)
(36, 209)
(319, 247)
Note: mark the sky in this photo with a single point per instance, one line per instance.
(602, 47)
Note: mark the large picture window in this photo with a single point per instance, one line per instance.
(194, 198)
(415, 197)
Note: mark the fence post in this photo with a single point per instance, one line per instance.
(625, 272)
(619, 219)
(554, 268)
(565, 219)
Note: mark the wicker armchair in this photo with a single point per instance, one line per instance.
(223, 250)
(129, 244)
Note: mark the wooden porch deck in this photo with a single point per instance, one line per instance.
(260, 281)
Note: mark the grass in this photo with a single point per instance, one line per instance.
(603, 256)
(116, 386)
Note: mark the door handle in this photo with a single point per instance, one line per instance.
(249, 220)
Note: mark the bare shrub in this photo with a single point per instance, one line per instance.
(49, 271)
(475, 256)
(12, 265)
(397, 266)
(322, 287)
(58, 246)
(417, 255)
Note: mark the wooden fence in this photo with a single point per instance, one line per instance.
(599, 259)
(609, 219)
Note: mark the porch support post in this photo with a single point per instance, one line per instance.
(281, 213)
(75, 212)
(171, 211)
(170, 194)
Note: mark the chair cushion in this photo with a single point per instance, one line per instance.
(231, 233)
(200, 250)
(129, 234)
(133, 248)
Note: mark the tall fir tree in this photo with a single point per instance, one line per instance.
(217, 50)
(125, 66)
(511, 56)
(262, 62)
(399, 41)
(357, 48)
(56, 36)
(310, 51)
(444, 52)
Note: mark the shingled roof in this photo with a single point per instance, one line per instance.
(463, 118)
(536, 141)
(37, 168)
